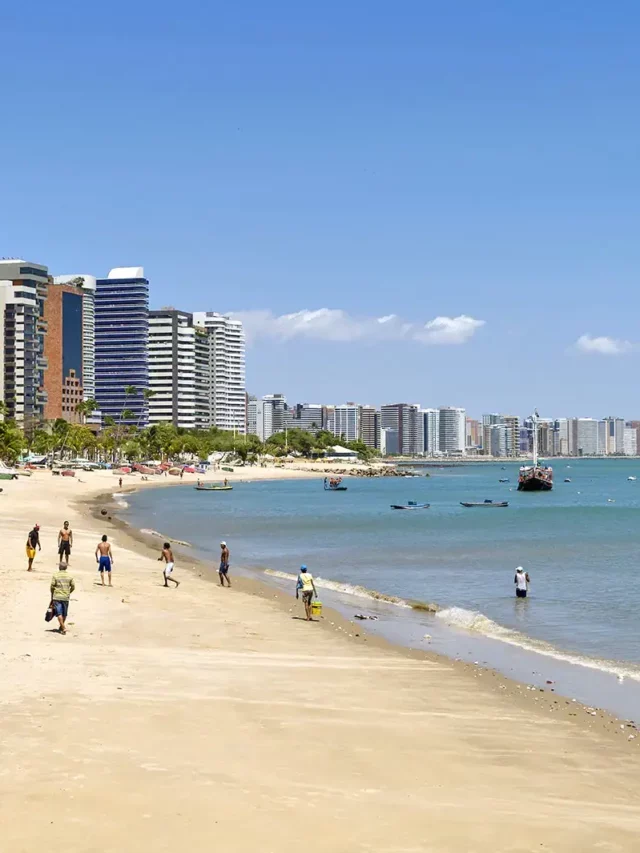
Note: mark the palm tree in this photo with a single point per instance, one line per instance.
(147, 394)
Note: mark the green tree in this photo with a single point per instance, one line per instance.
(12, 441)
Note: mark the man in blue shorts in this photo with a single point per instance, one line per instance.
(62, 585)
(104, 559)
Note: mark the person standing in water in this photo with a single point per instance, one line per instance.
(65, 542)
(33, 542)
(307, 586)
(167, 556)
(223, 571)
(522, 581)
(104, 559)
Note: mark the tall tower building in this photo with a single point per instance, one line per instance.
(172, 368)
(346, 421)
(453, 430)
(87, 283)
(122, 344)
(370, 427)
(225, 346)
(64, 352)
(431, 428)
(23, 286)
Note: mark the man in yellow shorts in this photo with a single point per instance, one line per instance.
(33, 542)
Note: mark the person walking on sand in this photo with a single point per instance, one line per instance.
(33, 542)
(167, 556)
(522, 581)
(223, 571)
(62, 585)
(306, 585)
(120, 482)
(65, 542)
(104, 559)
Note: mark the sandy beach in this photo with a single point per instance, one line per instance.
(207, 718)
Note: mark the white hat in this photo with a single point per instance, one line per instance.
(224, 543)
(519, 569)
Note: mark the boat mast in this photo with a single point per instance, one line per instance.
(534, 420)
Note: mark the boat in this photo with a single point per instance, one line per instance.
(567, 479)
(486, 503)
(410, 505)
(334, 485)
(226, 468)
(535, 477)
(211, 487)
(503, 480)
(632, 478)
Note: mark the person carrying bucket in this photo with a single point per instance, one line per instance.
(306, 584)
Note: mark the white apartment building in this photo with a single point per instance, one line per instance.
(452, 430)
(267, 415)
(23, 289)
(346, 421)
(630, 441)
(583, 436)
(221, 369)
(172, 368)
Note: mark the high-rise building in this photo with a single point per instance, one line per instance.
(583, 436)
(87, 283)
(389, 441)
(474, 434)
(227, 369)
(452, 429)
(270, 415)
(431, 431)
(370, 427)
(500, 438)
(24, 286)
(407, 421)
(513, 423)
(306, 416)
(561, 437)
(630, 441)
(611, 436)
(636, 426)
(122, 345)
(172, 368)
(64, 352)
(488, 421)
(252, 414)
(346, 421)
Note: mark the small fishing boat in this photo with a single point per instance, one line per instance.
(212, 487)
(485, 503)
(632, 478)
(503, 480)
(334, 485)
(567, 479)
(410, 505)
(226, 468)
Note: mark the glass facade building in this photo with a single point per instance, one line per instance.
(122, 345)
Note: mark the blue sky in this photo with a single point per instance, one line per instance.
(410, 161)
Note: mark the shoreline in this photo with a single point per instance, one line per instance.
(220, 716)
(264, 584)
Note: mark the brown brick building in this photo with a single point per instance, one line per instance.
(63, 352)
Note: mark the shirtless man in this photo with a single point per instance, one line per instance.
(223, 571)
(65, 542)
(167, 556)
(104, 559)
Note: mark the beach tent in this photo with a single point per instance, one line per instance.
(341, 452)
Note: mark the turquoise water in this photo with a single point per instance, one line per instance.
(580, 544)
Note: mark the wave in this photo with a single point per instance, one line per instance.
(118, 497)
(477, 623)
(347, 589)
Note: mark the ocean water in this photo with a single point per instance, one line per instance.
(580, 544)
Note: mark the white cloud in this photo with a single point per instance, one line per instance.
(603, 345)
(448, 330)
(334, 324)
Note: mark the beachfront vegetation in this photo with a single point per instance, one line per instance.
(119, 440)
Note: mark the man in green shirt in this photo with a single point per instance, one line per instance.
(62, 585)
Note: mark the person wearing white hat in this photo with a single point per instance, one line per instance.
(521, 580)
(223, 571)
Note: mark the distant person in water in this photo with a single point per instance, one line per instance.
(223, 571)
(167, 556)
(522, 581)
(306, 585)
(104, 559)
(33, 542)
